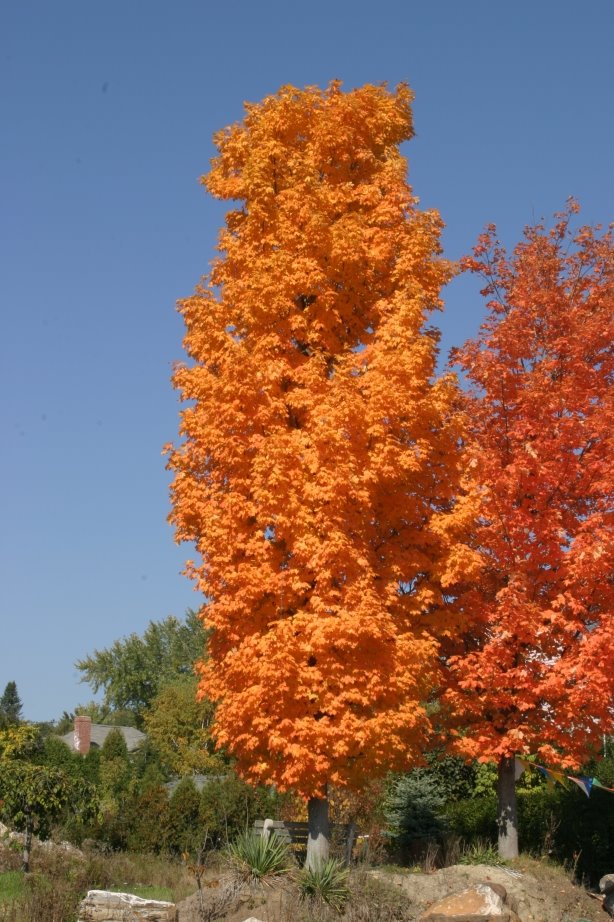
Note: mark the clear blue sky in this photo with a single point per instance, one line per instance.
(107, 113)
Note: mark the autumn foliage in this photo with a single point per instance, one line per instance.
(535, 671)
(320, 460)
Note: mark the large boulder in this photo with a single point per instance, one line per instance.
(481, 903)
(107, 906)
(606, 884)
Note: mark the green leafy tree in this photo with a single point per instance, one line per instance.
(10, 706)
(177, 725)
(35, 795)
(133, 670)
(117, 789)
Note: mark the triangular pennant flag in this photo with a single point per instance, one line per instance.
(561, 778)
(520, 766)
(548, 775)
(585, 784)
(597, 784)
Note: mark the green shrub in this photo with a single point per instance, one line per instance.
(326, 883)
(184, 831)
(573, 829)
(229, 806)
(414, 807)
(451, 775)
(148, 817)
(475, 818)
(480, 852)
(258, 859)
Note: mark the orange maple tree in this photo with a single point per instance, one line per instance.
(535, 672)
(321, 460)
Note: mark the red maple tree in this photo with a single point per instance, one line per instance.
(535, 671)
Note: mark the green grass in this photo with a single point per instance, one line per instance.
(153, 893)
(11, 886)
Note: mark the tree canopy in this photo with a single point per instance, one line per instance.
(35, 794)
(534, 673)
(135, 668)
(320, 468)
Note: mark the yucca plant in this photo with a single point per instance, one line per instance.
(258, 859)
(326, 883)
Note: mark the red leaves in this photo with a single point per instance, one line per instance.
(541, 410)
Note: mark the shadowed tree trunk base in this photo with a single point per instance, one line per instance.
(318, 843)
(507, 810)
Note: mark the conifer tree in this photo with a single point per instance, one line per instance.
(10, 705)
(320, 461)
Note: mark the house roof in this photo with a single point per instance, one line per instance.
(99, 733)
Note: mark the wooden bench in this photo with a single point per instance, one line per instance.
(295, 835)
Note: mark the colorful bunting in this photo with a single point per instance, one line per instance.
(585, 784)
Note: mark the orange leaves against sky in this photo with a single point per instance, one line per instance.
(320, 460)
(536, 672)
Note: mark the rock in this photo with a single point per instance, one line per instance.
(476, 904)
(106, 906)
(606, 884)
(67, 847)
(608, 903)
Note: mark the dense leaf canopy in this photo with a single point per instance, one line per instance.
(320, 461)
(535, 673)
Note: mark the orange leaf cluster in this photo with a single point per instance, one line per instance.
(320, 466)
(534, 672)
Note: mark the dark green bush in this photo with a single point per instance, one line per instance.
(474, 818)
(184, 831)
(415, 807)
(148, 819)
(562, 823)
(582, 829)
(229, 806)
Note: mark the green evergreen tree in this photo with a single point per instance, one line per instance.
(184, 832)
(10, 706)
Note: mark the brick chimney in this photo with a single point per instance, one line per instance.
(83, 734)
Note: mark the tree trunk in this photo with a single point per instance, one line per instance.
(507, 813)
(27, 848)
(349, 845)
(318, 843)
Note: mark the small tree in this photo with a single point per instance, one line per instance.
(534, 672)
(115, 775)
(178, 726)
(36, 795)
(10, 706)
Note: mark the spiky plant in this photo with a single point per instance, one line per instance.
(258, 860)
(326, 883)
